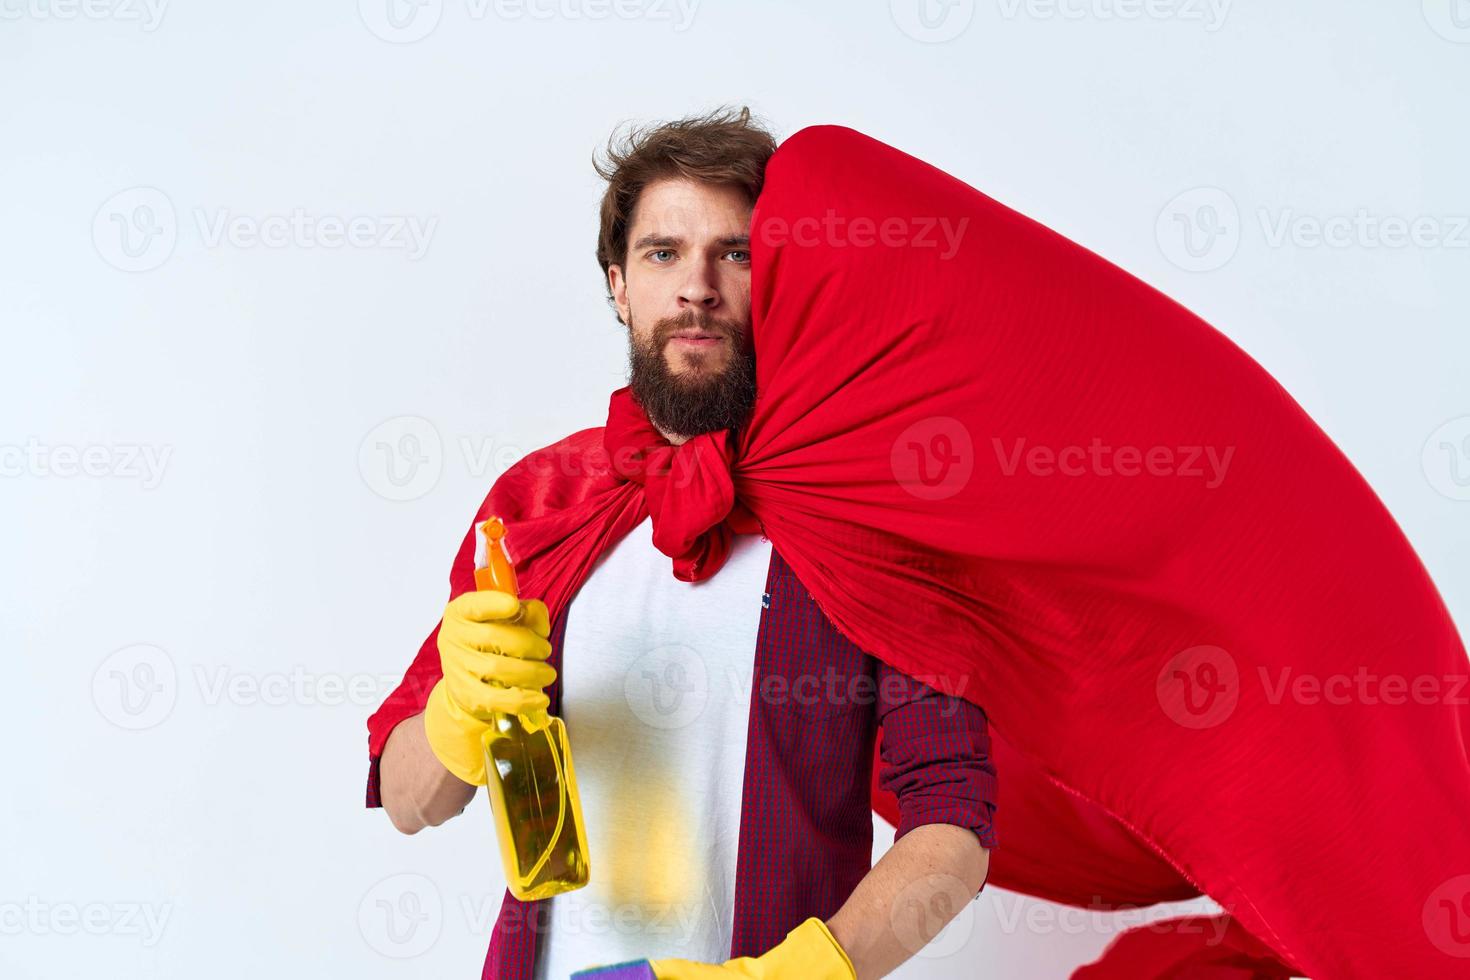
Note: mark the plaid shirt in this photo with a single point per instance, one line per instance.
(806, 830)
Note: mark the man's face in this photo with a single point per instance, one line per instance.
(684, 292)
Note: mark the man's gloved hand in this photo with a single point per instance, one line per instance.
(809, 952)
(492, 648)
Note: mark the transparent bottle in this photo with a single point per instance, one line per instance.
(531, 783)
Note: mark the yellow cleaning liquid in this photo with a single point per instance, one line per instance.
(532, 786)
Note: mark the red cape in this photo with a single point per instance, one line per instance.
(996, 459)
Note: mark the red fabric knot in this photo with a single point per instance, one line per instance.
(688, 488)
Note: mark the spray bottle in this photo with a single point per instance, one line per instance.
(531, 784)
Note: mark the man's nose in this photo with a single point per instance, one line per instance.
(698, 289)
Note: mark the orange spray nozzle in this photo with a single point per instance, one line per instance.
(498, 572)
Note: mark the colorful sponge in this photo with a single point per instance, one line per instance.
(631, 970)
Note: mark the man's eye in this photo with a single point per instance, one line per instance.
(662, 251)
(741, 256)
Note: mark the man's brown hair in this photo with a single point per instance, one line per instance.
(724, 146)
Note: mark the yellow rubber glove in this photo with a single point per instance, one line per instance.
(809, 952)
(492, 648)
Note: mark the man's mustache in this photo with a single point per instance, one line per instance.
(724, 329)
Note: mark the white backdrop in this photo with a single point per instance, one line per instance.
(283, 286)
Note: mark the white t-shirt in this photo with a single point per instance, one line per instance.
(656, 682)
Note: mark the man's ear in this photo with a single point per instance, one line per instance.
(618, 286)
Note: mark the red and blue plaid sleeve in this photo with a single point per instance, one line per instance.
(935, 756)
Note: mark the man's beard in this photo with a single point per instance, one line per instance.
(699, 400)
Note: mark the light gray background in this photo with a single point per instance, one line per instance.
(222, 541)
